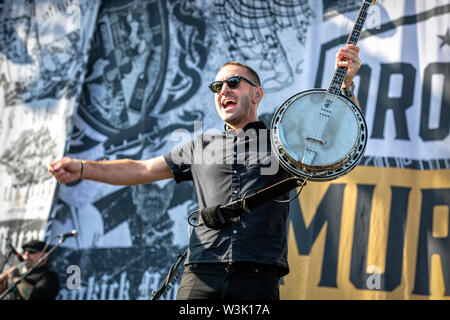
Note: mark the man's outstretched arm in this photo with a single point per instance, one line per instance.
(118, 172)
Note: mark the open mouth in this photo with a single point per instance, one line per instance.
(228, 103)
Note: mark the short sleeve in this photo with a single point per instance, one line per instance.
(180, 162)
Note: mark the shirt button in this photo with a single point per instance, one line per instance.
(235, 191)
(234, 171)
(234, 231)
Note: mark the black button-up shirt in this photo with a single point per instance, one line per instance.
(224, 167)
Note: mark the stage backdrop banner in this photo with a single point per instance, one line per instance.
(43, 53)
(381, 232)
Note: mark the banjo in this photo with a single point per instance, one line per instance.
(321, 134)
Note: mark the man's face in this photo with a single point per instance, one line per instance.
(31, 256)
(235, 106)
(151, 200)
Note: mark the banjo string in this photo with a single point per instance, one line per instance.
(333, 90)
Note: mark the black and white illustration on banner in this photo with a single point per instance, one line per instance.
(43, 55)
(251, 31)
(147, 76)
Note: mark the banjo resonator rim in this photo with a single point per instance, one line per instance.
(332, 170)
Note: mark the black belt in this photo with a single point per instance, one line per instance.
(242, 266)
(217, 216)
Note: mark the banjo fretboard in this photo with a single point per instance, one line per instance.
(339, 74)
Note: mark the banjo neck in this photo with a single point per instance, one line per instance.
(340, 72)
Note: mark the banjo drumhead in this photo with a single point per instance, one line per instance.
(301, 121)
(343, 138)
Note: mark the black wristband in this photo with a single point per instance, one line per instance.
(81, 172)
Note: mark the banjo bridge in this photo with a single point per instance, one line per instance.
(315, 140)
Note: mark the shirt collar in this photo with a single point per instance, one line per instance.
(251, 125)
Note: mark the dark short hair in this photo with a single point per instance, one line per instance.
(252, 74)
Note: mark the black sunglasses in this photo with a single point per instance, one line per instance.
(31, 250)
(232, 82)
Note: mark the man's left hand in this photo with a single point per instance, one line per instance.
(347, 57)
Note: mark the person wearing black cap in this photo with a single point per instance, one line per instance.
(40, 284)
